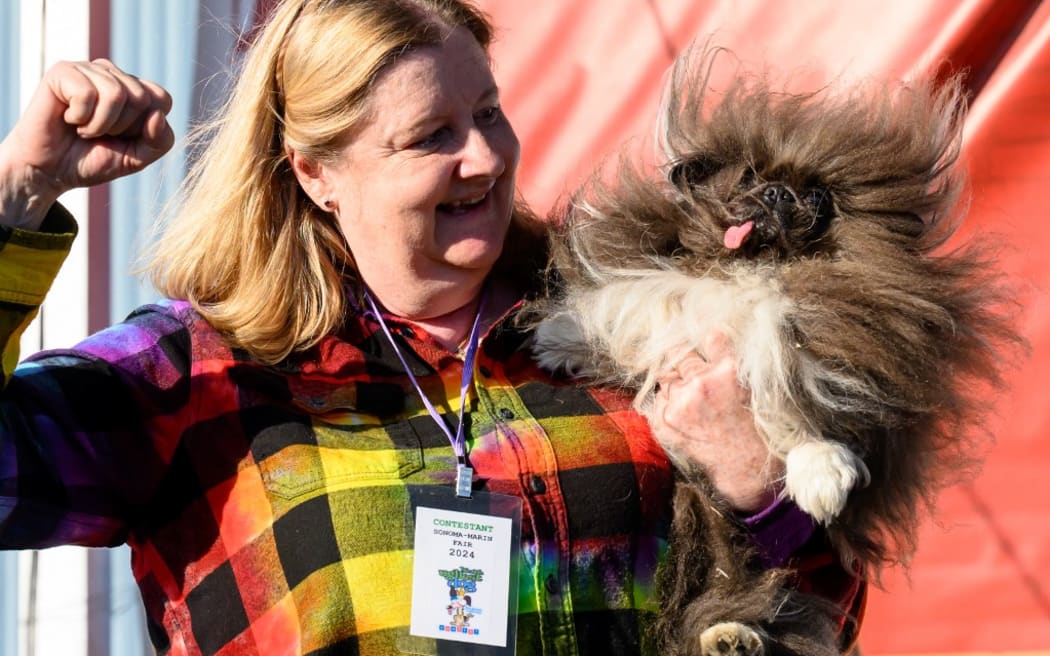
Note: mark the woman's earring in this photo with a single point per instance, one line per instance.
(328, 204)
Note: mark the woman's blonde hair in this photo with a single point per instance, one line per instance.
(245, 245)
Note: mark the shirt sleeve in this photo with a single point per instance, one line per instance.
(785, 536)
(29, 262)
(85, 433)
(820, 571)
(779, 530)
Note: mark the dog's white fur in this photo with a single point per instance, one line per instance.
(636, 319)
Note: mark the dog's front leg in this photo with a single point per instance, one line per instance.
(819, 476)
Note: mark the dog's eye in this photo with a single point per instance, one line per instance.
(819, 198)
(692, 170)
(816, 195)
(747, 180)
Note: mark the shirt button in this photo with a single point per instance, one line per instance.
(506, 413)
(405, 332)
(551, 584)
(537, 485)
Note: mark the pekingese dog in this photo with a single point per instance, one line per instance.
(812, 230)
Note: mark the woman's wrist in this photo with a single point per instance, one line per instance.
(743, 474)
(25, 194)
(749, 486)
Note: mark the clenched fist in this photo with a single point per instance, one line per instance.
(87, 123)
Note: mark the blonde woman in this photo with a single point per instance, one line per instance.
(336, 360)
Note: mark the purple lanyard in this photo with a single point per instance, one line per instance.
(458, 441)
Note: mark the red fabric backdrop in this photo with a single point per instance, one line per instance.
(580, 77)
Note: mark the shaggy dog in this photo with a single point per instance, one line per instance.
(811, 230)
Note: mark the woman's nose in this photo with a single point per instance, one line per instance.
(481, 156)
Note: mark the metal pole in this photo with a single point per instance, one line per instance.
(99, 604)
(34, 572)
(8, 603)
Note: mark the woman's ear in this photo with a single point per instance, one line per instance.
(312, 178)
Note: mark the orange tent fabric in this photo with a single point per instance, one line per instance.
(581, 77)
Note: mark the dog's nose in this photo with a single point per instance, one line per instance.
(776, 195)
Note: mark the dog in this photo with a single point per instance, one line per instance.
(814, 231)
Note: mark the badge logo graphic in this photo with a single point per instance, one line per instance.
(462, 582)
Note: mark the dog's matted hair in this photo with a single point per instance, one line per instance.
(815, 231)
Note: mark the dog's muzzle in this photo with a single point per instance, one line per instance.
(779, 199)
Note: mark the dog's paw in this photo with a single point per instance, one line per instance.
(730, 639)
(559, 345)
(820, 476)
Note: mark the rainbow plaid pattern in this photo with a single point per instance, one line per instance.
(267, 506)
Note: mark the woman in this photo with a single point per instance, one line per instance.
(347, 258)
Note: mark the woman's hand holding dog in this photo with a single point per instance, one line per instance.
(700, 414)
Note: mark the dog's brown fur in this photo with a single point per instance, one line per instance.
(711, 579)
(893, 338)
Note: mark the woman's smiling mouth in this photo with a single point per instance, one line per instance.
(463, 206)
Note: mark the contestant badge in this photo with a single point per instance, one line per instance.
(463, 575)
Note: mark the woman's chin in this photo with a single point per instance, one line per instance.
(474, 258)
(477, 249)
(473, 254)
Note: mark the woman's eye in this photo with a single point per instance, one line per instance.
(430, 140)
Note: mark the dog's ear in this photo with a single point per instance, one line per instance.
(692, 170)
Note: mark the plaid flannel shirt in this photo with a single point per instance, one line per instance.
(265, 506)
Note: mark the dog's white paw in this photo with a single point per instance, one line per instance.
(559, 345)
(730, 639)
(820, 476)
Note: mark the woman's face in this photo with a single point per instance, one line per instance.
(424, 191)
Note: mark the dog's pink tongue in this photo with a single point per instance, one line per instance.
(736, 235)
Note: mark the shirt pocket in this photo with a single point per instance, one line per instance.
(340, 452)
